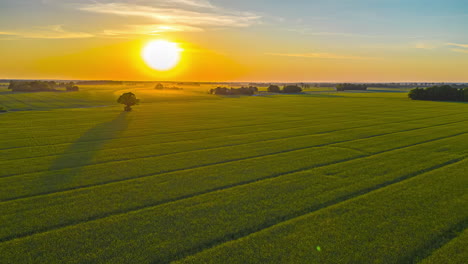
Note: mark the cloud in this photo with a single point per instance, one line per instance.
(458, 45)
(339, 34)
(460, 50)
(47, 32)
(149, 30)
(321, 56)
(424, 45)
(187, 15)
(310, 32)
(193, 3)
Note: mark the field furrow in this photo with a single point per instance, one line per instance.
(77, 158)
(208, 219)
(454, 251)
(369, 228)
(237, 173)
(32, 184)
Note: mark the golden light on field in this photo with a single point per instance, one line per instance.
(161, 55)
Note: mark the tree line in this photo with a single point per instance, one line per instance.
(351, 86)
(440, 93)
(234, 91)
(41, 86)
(286, 89)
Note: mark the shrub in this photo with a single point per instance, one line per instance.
(2, 110)
(159, 86)
(274, 89)
(292, 89)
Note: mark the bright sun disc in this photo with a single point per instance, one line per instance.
(161, 55)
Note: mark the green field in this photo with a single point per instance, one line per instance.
(188, 177)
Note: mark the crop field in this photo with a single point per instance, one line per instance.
(188, 177)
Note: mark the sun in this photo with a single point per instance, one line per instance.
(161, 55)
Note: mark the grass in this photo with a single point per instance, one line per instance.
(191, 177)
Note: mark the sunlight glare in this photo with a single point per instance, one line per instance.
(161, 55)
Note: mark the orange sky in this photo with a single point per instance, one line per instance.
(244, 41)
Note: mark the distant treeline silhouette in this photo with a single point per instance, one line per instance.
(286, 89)
(351, 86)
(41, 86)
(440, 93)
(159, 86)
(391, 85)
(234, 91)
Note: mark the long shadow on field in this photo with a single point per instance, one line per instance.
(82, 151)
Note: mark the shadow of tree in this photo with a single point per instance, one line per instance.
(82, 151)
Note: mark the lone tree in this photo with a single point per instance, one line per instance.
(129, 100)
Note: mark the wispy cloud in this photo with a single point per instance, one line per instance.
(8, 33)
(311, 32)
(194, 3)
(149, 30)
(181, 15)
(458, 45)
(321, 56)
(425, 45)
(47, 32)
(460, 50)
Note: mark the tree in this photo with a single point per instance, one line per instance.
(292, 89)
(274, 89)
(159, 86)
(417, 94)
(129, 100)
(72, 88)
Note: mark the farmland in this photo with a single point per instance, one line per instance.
(187, 177)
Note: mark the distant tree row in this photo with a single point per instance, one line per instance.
(40, 86)
(34, 86)
(439, 93)
(351, 86)
(286, 89)
(392, 85)
(159, 86)
(234, 91)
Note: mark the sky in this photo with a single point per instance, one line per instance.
(242, 40)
